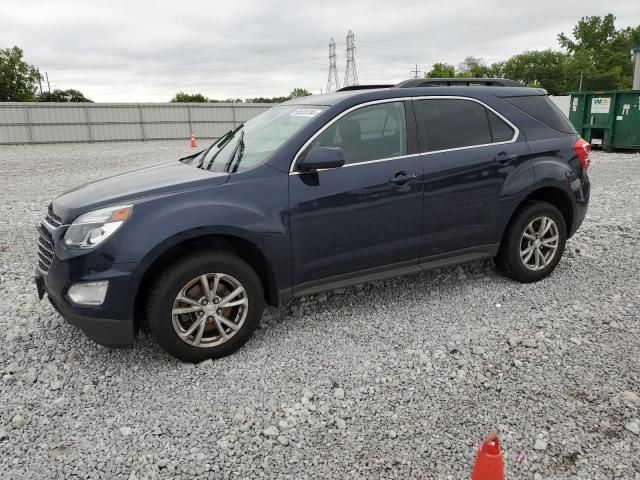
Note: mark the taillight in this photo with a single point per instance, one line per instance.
(582, 149)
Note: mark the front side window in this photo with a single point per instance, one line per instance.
(369, 133)
(454, 123)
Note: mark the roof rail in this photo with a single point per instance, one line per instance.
(450, 82)
(363, 87)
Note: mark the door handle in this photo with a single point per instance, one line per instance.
(504, 157)
(401, 178)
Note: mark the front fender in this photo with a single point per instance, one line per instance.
(239, 209)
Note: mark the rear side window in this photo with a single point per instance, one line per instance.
(542, 108)
(454, 123)
(500, 130)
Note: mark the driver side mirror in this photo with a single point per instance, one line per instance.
(321, 157)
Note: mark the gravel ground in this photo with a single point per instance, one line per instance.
(396, 379)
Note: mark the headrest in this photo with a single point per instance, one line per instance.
(350, 129)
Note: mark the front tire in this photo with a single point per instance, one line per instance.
(205, 305)
(533, 242)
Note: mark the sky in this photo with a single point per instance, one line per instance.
(146, 51)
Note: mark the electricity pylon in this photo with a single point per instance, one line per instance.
(351, 74)
(333, 83)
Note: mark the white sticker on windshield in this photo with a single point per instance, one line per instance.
(305, 112)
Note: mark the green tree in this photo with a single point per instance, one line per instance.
(226, 100)
(496, 70)
(197, 97)
(18, 79)
(267, 99)
(295, 93)
(473, 67)
(182, 97)
(540, 68)
(441, 70)
(299, 92)
(600, 53)
(595, 56)
(67, 96)
(590, 33)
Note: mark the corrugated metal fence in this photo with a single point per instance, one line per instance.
(106, 122)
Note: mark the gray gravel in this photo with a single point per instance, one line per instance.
(396, 379)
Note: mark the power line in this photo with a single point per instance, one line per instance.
(351, 73)
(333, 83)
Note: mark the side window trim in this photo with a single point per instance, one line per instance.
(419, 132)
(422, 133)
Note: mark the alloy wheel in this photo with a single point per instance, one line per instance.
(209, 310)
(539, 243)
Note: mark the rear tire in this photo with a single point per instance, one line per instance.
(533, 242)
(205, 305)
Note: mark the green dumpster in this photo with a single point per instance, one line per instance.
(609, 120)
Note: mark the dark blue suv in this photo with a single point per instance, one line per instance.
(317, 193)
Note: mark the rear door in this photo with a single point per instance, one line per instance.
(365, 217)
(469, 152)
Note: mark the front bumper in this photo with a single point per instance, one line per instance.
(111, 323)
(110, 332)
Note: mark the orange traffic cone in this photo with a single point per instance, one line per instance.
(489, 465)
(193, 141)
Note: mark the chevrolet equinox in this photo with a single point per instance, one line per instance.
(317, 193)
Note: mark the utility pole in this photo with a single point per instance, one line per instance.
(636, 68)
(580, 87)
(333, 83)
(351, 74)
(415, 72)
(39, 80)
(48, 86)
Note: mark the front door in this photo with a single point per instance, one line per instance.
(363, 219)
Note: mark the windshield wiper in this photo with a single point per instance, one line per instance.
(222, 141)
(238, 150)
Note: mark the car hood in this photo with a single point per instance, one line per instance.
(157, 180)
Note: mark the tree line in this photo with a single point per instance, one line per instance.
(595, 57)
(182, 97)
(20, 82)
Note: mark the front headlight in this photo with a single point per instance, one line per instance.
(95, 227)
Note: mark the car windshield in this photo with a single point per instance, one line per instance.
(253, 142)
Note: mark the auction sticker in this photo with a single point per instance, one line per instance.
(305, 112)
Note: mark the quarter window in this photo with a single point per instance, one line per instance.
(542, 108)
(500, 131)
(456, 123)
(369, 133)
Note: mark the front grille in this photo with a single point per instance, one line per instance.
(45, 248)
(52, 219)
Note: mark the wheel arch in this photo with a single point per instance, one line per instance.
(236, 245)
(554, 195)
